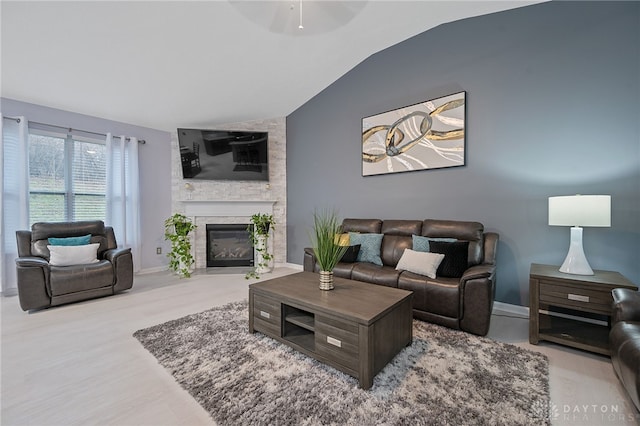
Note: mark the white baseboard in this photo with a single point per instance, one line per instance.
(152, 270)
(289, 265)
(501, 307)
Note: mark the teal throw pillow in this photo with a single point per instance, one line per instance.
(71, 241)
(369, 247)
(422, 243)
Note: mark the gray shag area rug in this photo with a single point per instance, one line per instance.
(446, 377)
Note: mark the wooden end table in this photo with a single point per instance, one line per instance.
(576, 294)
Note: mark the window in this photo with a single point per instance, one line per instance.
(67, 177)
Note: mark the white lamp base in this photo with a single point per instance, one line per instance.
(576, 262)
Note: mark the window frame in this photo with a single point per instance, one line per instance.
(69, 194)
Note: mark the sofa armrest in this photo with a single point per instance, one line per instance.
(122, 261)
(32, 261)
(626, 305)
(32, 275)
(309, 260)
(477, 291)
(478, 271)
(113, 254)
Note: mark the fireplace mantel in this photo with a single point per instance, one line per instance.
(227, 208)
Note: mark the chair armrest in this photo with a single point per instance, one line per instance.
(32, 261)
(122, 261)
(113, 254)
(626, 305)
(478, 271)
(32, 275)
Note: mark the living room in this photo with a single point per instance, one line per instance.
(552, 94)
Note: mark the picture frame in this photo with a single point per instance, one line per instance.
(424, 136)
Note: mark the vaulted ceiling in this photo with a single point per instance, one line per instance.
(163, 64)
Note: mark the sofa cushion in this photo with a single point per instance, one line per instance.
(372, 226)
(342, 269)
(71, 279)
(422, 263)
(397, 237)
(440, 296)
(342, 239)
(369, 247)
(455, 257)
(73, 255)
(70, 241)
(351, 255)
(461, 231)
(370, 273)
(420, 243)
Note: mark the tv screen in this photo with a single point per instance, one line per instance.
(223, 154)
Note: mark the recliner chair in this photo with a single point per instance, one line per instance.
(41, 285)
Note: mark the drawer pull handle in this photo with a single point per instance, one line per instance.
(578, 297)
(334, 342)
(264, 314)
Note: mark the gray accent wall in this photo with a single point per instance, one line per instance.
(154, 163)
(553, 108)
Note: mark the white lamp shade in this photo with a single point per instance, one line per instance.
(580, 210)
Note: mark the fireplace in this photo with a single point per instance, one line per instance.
(228, 245)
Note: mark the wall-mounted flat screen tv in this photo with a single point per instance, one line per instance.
(224, 154)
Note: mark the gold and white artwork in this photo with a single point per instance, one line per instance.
(428, 135)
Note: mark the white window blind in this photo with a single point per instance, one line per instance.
(67, 177)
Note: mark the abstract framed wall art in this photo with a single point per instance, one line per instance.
(424, 136)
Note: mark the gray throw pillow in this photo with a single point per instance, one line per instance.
(369, 247)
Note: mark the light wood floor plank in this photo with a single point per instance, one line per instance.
(80, 365)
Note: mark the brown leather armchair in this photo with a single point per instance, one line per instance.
(41, 285)
(463, 303)
(624, 340)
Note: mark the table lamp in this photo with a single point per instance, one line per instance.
(578, 211)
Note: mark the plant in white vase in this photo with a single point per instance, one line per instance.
(176, 230)
(259, 227)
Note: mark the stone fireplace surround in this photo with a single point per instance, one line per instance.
(220, 212)
(199, 192)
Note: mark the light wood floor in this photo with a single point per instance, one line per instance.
(80, 365)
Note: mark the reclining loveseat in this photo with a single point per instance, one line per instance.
(458, 296)
(41, 284)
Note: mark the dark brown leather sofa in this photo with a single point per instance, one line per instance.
(41, 285)
(462, 303)
(624, 340)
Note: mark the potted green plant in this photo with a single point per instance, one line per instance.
(259, 227)
(176, 230)
(326, 228)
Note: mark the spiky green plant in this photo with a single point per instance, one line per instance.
(326, 226)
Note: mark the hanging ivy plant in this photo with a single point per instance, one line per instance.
(176, 230)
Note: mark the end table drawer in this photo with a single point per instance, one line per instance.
(592, 300)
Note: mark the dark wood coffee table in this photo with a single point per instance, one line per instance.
(356, 328)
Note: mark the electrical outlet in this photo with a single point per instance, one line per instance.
(158, 250)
